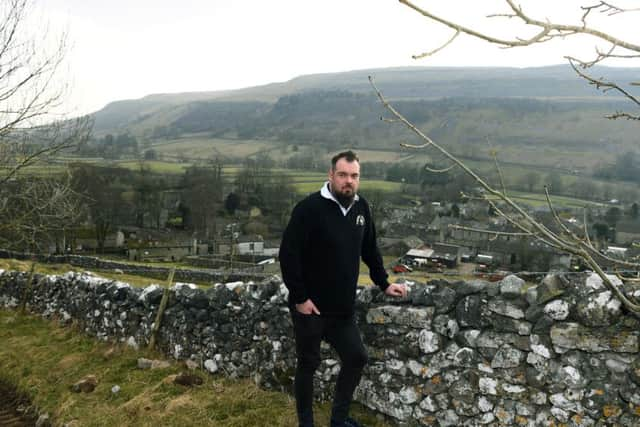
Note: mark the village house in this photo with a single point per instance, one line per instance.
(439, 228)
(249, 245)
(252, 245)
(397, 246)
(446, 254)
(418, 256)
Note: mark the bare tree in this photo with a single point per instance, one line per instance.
(202, 194)
(560, 235)
(565, 240)
(544, 30)
(102, 190)
(32, 128)
(39, 212)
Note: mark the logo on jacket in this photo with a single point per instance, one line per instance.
(360, 220)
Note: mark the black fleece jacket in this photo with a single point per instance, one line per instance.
(320, 254)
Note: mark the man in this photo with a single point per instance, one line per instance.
(328, 233)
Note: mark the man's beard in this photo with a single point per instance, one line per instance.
(345, 200)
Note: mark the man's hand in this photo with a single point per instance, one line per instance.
(396, 290)
(307, 307)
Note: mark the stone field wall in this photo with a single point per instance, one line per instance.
(563, 352)
(160, 273)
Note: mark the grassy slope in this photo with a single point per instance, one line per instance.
(45, 360)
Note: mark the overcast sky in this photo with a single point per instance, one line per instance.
(124, 49)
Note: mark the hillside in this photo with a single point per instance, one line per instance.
(514, 108)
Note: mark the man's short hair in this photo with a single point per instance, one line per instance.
(349, 156)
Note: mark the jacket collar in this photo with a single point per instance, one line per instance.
(326, 193)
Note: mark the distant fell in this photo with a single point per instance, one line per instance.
(141, 116)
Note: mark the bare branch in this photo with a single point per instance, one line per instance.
(485, 231)
(557, 217)
(384, 119)
(427, 168)
(436, 50)
(600, 56)
(615, 261)
(511, 220)
(425, 145)
(586, 229)
(627, 279)
(604, 86)
(31, 130)
(546, 30)
(50, 140)
(541, 232)
(607, 8)
(622, 115)
(429, 142)
(610, 54)
(494, 155)
(36, 209)
(471, 32)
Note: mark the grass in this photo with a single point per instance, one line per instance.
(206, 147)
(156, 166)
(516, 161)
(537, 200)
(44, 359)
(18, 265)
(42, 170)
(306, 187)
(132, 279)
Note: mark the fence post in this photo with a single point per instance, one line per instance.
(163, 305)
(27, 288)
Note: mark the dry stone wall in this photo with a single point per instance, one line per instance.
(563, 352)
(157, 272)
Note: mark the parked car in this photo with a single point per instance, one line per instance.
(402, 268)
(498, 275)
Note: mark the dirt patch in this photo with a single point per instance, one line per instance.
(69, 361)
(16, 409)
(179, 402)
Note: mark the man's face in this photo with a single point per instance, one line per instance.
(345, 179)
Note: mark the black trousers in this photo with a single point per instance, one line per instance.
(343, 335)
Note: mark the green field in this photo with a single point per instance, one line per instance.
(42, 170)
(537, 200)
(155, 166)
(368, 185)
(516, 163)
(305, 182)
(203, 147)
